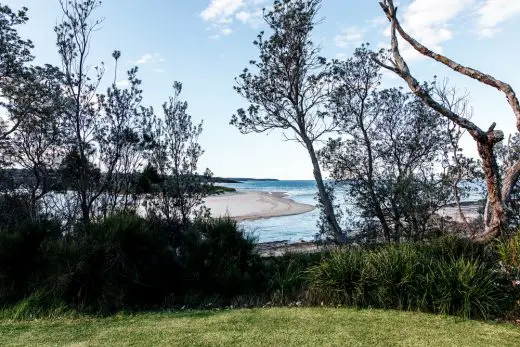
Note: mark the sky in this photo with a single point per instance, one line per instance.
(205, 44)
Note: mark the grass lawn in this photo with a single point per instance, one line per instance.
(261, 327)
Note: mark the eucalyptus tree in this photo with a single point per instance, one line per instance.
(74, 39)
(499, 186)
(122, 141)
(37, 145)
(175, 157)
(508, 153)
(458, 167)
(389, 145)
(288, 87)
(15, 54)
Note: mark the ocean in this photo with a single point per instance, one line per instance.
(290, 228)
(298, 227)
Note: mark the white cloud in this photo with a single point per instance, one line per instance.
(226, 31)
(221, 9)
(379, 21)
(158, 70)
(243, 16)
(150, 58)
(144, 59)
(223, 13)
(492, 13)
(349, 36)
(429, 22)
(122, 84)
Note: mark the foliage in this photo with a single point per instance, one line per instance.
(220, 258)
(428, 278)
(175, 157)
(15, 53)
(509, 252)
(385, 160)
(288, 87)
(24, 258)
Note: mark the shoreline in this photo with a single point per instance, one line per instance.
(254, 205)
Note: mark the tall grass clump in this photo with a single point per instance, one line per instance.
(509, 252)
(284, 277)
(423, 277)
(37, 306)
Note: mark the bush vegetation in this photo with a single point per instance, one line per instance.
(128, 263)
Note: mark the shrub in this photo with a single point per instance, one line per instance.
(24, 258)
(509, 252)
(219, 258)
(284, 278)
(425, 277)
(36, 306)
(463, 287)
(119, 263)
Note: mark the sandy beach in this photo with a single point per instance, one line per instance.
(470, 210)
(254, 205)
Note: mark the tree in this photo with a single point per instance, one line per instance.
(507, 155)
(73, 40)
(15, 53)
(385, 159)
(459, 168)
(175, 156)
(37, 145)
(122, 143)
(499, 188)
(289, 87)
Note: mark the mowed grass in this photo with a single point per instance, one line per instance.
(261, 327)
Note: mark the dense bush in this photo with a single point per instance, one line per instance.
(24, 258)
(116, 264)
(509, 252)
(458, 279)
(219, 258)
(125, 262)
(285, 279)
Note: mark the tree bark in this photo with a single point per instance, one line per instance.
(486, 140)
(377, 205)
(510, 180)
(498, 218)
(328, 209)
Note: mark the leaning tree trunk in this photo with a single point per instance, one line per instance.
(497, 221)
(498, 197)
(325, 199)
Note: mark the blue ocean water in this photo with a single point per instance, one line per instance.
(291, 228)
(298, 227)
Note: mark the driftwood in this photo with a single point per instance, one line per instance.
(495, 219)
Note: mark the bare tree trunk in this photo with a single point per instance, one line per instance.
(469, 229)
(498, 218)
(85, 208)
(325, 199)
(486, 140)
(510, 180)
(377, 205)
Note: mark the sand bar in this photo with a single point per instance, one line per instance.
(254, 205)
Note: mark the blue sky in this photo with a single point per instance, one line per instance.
(206, 43)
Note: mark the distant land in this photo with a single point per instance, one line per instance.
(240, 179)
(18, 176)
